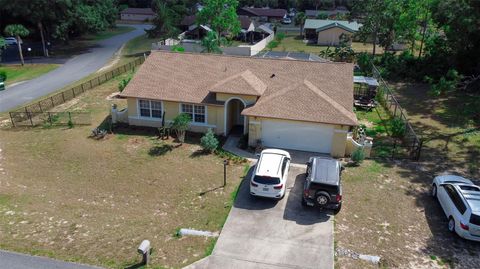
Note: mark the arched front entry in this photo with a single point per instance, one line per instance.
(234, 121)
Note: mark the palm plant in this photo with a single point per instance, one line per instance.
(211, 41)
(18, 31)
(300, 21)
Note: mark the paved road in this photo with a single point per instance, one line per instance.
(267, 234)
(13, 260)
(74, 69)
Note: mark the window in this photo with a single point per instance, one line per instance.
(197, 113)
(150, 109)
(456, 199)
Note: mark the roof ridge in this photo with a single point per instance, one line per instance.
(248, 76)
(330, 100)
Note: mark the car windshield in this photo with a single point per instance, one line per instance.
(267, 180)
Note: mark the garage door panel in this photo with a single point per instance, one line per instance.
(297, 135)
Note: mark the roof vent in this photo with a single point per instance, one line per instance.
(272, 76)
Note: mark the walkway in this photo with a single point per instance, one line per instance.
(74, 69)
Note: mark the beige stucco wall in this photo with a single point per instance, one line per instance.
(172, 109)
(249, 99)
(339, 140)
(331, 36)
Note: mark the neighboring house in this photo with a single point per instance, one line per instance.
(263, 14)
(137, 14)
(249, 31)
(331, 13)
(328, 32)
(287, 104)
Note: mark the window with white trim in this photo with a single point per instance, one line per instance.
(197, 113)
(150, 109)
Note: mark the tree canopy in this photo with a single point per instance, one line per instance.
(221, 16)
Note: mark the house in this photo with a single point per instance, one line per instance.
(330, 13)
(192, 30)
(328, 32)
(289, 104)
(263, 14)
(137, 14)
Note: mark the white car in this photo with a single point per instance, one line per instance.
(10, 41)
(460, 200)
(271, 173)
(286, 20)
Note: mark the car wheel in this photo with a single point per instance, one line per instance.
(304, 203)
(451, 224)
(434, 190)
(322, 198)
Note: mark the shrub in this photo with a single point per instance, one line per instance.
(397, 127)
(363, 61)
(209, 142)
(180, 125)
(273, 44)
(3, 75)
(279, 37)
(445, 84)
(123, 83)
(358, 156)
(70, 124)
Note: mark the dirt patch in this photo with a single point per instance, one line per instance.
(388, 212)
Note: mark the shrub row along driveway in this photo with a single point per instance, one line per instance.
(263, 233)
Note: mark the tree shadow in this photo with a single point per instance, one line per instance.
(160, 150)
(199, 153)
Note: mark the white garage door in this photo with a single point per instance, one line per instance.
(297, 135)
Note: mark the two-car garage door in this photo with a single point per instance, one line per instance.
(304, 136)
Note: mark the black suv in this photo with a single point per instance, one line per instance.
(322, 187)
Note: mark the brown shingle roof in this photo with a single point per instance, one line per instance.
(244, 83)
(139, 11)
(289, 89)
(266, 12)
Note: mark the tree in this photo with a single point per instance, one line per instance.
(221, 16)
(358, 156)
(180, 126)
(209, 142)
(2, 45)
(164, 22)
(300, 21)
(18, 31)
(211, 41)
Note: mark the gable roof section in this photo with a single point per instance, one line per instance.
(192, 20)
(290, 103)
(288, 89)
(138, 11)
(321, 25)
(245, 83)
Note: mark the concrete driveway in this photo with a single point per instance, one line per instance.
(261, 233)
(12, 260)
(74, 69)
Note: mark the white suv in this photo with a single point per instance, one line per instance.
(460, 200)
(271, 173)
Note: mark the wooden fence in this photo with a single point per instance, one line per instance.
(26, 116)
(411, 142)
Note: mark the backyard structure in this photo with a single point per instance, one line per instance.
(328, 32)
(279, 103)
(137, 14)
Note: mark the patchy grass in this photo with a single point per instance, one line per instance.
(16, 72)
(94, 201)
(139, 44)
(387, 211)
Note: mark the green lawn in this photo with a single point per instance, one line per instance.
(16, 73)
(295, 43)
(139, 44)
